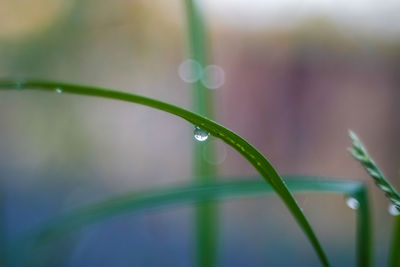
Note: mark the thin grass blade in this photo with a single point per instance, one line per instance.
(394, 255)
(27, 251)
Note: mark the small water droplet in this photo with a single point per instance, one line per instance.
(200, 134)
(392, 209)
(59, 90)
(352, 203)
(190, 71)
(213, 77)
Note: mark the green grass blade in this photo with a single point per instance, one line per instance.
(394, 256)
(360, 153)
(206, 214)
(364, 236)
(261, 164)
(202, 96)
(189, 193)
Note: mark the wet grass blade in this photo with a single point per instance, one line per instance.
(29, 247)
(259, 162)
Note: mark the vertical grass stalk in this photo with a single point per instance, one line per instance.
(364, 237)
(206, 213)
(394, 256)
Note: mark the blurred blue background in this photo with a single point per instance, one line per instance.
(294, 77)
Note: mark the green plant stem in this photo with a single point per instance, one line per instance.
(27, 249)
(202, 96)
(364, 237)
(206, 233)
(394, 255)
(260, 163)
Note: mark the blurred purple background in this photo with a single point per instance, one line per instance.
(296, 76)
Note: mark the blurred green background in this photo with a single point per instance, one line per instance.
(296, 76)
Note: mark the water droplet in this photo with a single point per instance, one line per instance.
(59, 90)
(190, 71)
(213, 77)
(352, 203)
(392, 209)
(200, 134)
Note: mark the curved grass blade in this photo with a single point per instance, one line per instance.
(360, 153)
(232, 139)
(189, 193)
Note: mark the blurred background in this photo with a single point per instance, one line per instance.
(290, 76)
